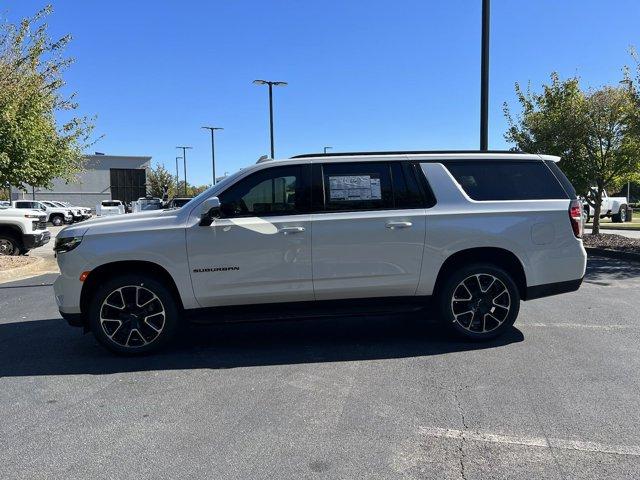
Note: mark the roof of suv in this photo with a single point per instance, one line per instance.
(435, 154)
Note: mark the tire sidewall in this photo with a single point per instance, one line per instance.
(164, 294)
(445, 295)
(16, 245)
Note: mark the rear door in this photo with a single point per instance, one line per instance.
(368, 230)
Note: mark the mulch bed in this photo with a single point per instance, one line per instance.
(611, 241)
(7, 263)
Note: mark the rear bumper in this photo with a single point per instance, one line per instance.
(548, 289)
(34, 240)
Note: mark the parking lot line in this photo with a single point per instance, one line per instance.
(583, 446)
(579, 325)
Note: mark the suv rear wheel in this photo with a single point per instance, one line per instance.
(479, 302)
(133, 314)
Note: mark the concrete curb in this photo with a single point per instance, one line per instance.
(605, 252)
(20, 272)
(621, 229)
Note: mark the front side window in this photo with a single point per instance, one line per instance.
(269, 192)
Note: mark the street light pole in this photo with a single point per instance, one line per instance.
(177, 176)
(327, 148)
(213, 153)
(484, 77)
(270, 84)
(184, 159)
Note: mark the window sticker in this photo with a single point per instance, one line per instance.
(354, 187)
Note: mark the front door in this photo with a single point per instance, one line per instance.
(368, 240)
(260, 250)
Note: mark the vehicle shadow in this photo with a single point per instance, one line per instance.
(601, 268)
(50, 347)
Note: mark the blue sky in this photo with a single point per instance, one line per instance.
(363, 75)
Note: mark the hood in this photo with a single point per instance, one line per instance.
(127, 222)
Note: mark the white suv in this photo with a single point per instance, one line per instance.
(324, 233)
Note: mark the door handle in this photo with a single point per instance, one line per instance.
(289, 230)
(394, 225)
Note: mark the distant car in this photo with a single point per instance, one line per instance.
(615, 208)
(56, 215)
(144, 204)
(178, 202)
(79, 213)
(21, 230)
(109, 207)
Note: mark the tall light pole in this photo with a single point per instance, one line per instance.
(184, 159)
(484, 78)
(271, 84)
(213, 152)
(629, 84)
(327, 148)
(177, 176)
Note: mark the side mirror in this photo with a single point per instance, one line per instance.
(209, 211)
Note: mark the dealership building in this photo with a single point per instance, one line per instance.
(105, 177)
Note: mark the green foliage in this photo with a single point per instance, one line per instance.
(157, 178)
(595, 132)
(34, 148)
(192, 190)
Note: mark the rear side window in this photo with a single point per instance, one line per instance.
(357, 186)
(562, 178)
(506, 180)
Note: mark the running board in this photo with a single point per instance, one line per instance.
(307, 310)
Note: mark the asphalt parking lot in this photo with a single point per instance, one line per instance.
(371, 397)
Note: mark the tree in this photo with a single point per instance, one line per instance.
(594, 132)
(34, 148)
(157, 179)
(192, 190)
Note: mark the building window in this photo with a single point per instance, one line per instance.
(128, 184)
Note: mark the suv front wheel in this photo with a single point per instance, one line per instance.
(479, 302)
(133, 314)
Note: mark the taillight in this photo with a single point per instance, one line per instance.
(575, 216)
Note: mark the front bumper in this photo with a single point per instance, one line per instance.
(35, 240)
(73, 319)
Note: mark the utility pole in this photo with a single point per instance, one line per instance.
(184, 159)
(484, 77)
(177, 177)
(270, 84)
(213, 153)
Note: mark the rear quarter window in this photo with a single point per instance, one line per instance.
(506, 180)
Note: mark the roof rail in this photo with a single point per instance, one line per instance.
(400, 152)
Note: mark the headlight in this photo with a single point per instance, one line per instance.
(66, 244)
(31, 215)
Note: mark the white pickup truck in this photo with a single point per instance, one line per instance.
(56, 215)
(615, 208)
(21, 230)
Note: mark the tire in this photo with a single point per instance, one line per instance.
(491, 308)
(128, 329)
(621, 216)
(9, 245)
(57, 220)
